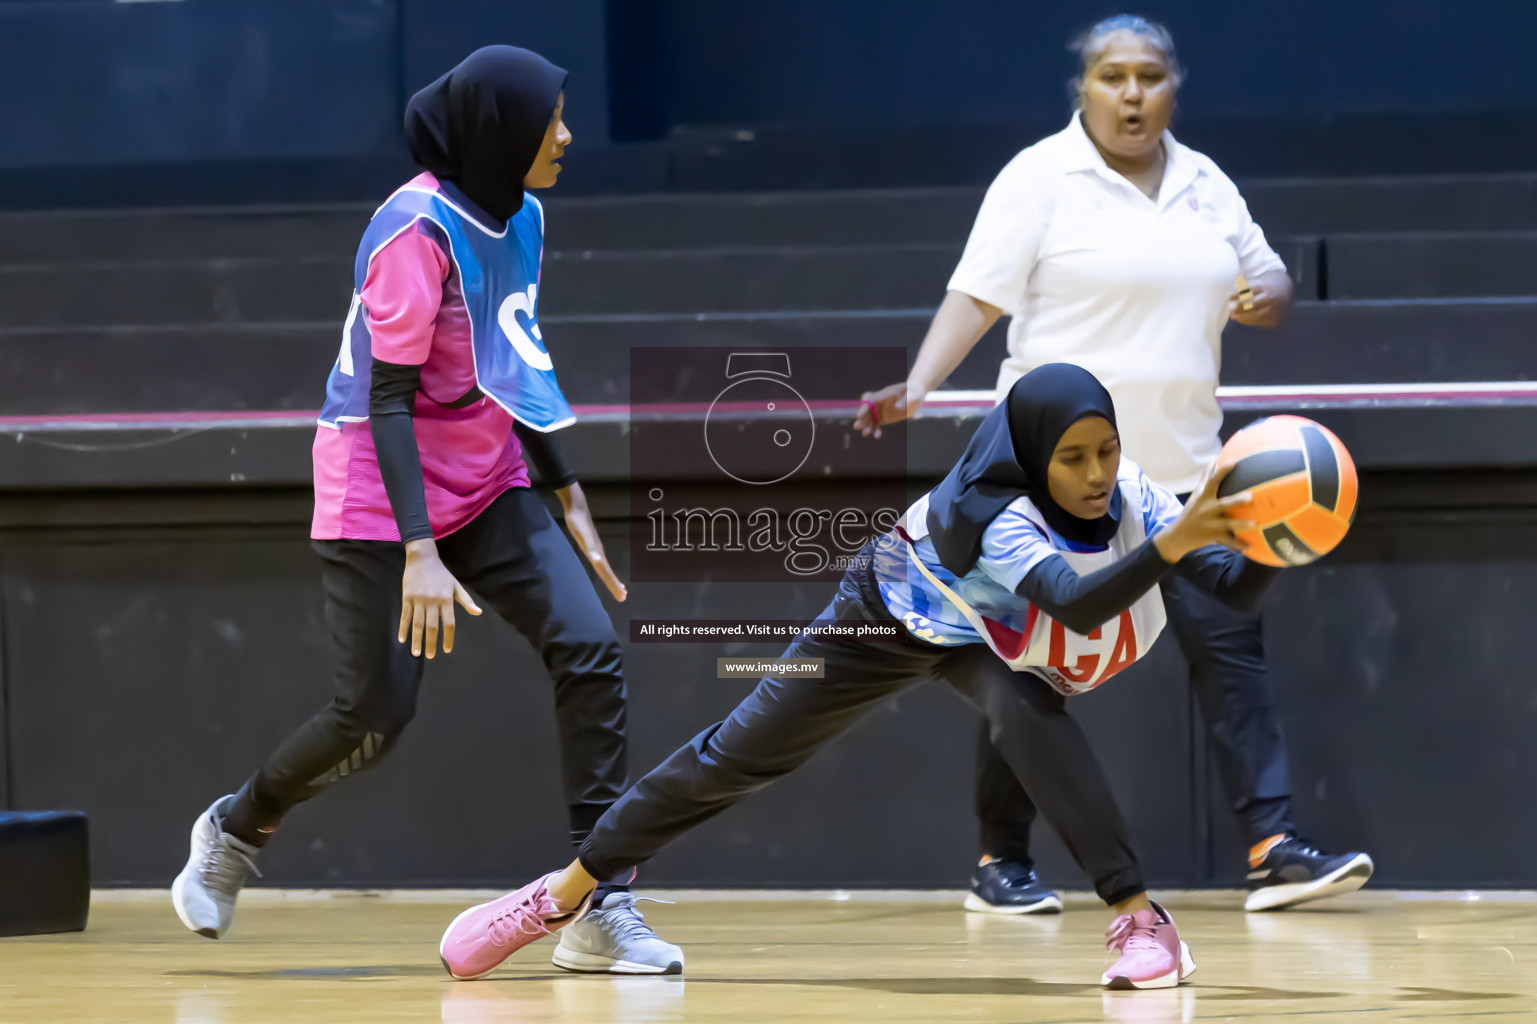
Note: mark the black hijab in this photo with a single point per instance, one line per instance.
(481, 125)
(1008, 456)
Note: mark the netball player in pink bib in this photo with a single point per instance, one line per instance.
(441, 390)
(1029, 574)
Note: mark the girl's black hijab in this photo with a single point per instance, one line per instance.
(1007, 458)
(481, 125)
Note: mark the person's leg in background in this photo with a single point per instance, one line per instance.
(376, 682)
(1052, 759)
(1231, 680)
(519, 561)
(1004, 881)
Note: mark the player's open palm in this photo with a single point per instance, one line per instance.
(427, 595)
(1205, 520)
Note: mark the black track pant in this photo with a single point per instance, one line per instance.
(783, 722)
(1226, 651)
(516, 561)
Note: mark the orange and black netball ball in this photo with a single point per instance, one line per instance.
(1303, 487)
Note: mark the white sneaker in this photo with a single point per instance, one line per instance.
(615, 939)
(205, 891)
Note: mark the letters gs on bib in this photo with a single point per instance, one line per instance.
(528, 344)
(498, 275)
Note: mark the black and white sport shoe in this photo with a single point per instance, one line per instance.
(1294, 872)
(1009, 887)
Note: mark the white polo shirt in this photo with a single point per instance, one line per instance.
(1134, 290)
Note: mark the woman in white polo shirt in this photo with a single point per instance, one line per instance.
(1112, 246)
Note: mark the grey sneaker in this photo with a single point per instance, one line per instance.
(614, 938)
(204, 893)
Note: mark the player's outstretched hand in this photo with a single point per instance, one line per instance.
(579, 522)
(1204, 521)
(884, 407)
(427, 595)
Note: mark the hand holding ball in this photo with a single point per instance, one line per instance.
(1302, 487)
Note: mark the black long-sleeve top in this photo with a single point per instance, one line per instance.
(1084, 603)
(391, 405)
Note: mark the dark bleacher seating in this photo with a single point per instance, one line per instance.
(1428, 265)
(1504, 202)
(240, 309)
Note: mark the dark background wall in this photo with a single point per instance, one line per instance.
(159, 621)
(249, 100)
(158, 639)
(982, 61)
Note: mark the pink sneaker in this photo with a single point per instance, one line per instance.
(478, 940)
(1152, 955)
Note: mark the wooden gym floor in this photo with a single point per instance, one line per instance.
(807, 958)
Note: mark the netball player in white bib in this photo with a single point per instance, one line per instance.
(1029, 574)
(1113, 246)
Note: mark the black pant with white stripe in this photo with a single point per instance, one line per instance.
(785, 721)
(517, 561)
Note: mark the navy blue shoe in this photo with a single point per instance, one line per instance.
(1294, 872)
(1009, 887)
